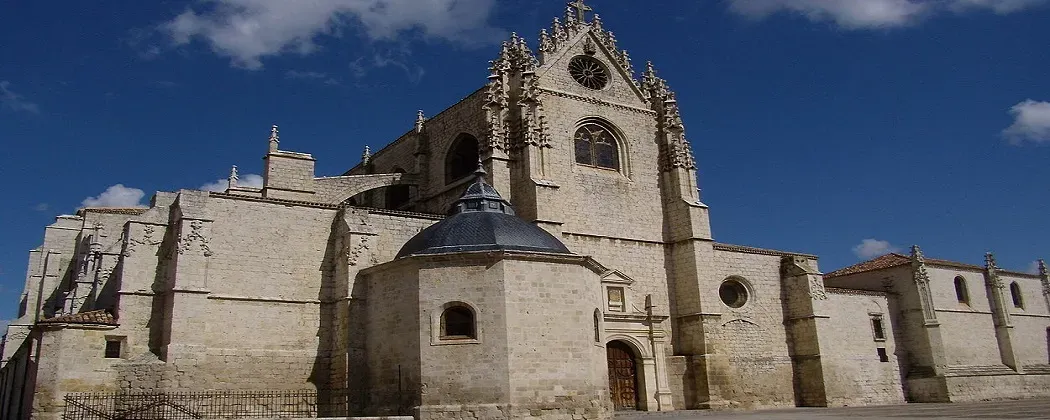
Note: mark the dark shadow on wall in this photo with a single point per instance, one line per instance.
(338, 371)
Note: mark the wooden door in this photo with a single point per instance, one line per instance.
(623, 378)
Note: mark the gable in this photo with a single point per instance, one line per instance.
(593, 42)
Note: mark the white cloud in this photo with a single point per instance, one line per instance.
(312, 75)
(864, 14)
(871, 248)
(15, 102)
(249, 180)
(248, 30)
(1033, 267)
(1031, 122)
(116, 196)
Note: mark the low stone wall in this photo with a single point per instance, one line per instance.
(1001, 387)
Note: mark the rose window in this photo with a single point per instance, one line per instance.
(589, 72)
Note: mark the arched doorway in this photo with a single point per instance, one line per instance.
(623, 375)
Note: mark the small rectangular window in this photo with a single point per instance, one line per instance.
(616, 301)
(113, 347)
(883, 357)
(877, 328)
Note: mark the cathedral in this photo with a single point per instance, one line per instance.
(537, 250)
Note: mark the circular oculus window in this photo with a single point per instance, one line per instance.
(733, 293)
(589, 72)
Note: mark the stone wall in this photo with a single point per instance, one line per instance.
(854, 373)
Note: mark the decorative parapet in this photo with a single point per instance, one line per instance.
(922, 283)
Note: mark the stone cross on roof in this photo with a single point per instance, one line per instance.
(581, 9)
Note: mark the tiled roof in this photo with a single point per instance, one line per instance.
(753, 250)
(132, 211)
(100, 317)
(897, 260)
(879, 263)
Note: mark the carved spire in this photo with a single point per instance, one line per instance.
(366, 157)
(922, 283)
(918, 264)
(233, 177)
(1044, 277)
(420, 122)
(992, 270)
(275, 138)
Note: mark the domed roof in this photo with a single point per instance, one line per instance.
(482, 221)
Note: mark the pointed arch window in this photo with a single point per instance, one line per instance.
(596, 146)
(961, 292)
(462, 158)
(1015, 293)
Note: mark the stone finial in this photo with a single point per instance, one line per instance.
(275, 138)
(1042, 269)
(420, 121)
(366, 157)
(480, 172)
(596, 23)
(916, 254)
(989, 261)
(233, 177)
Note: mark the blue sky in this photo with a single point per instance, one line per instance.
(843, 128)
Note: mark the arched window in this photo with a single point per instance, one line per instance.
(398, 195)
(462, 158)
(597, 326)
(457, 322)
(596, 146)
(961, 293)
(1015, 293)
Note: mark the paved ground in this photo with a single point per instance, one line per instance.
(1025, 409)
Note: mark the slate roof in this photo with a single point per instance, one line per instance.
(896, 260)
(482, 221)
(99, 317)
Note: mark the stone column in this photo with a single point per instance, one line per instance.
(1004, 328)
(357, 241)
(804, 298)
(932, 327)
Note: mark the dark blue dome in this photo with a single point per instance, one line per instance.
(482, 221)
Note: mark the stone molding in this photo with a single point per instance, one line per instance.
(597, 101)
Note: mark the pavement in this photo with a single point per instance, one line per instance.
(1020, 409)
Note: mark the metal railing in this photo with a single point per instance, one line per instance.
(205, 405)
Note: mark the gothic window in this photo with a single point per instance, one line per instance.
(596, 146)
(462, 158)
(961, 293)
(1015, 293)
(733, 292)
(878, 329)
(597, 326)
(457, 322)
(397, 195)
(588, 72)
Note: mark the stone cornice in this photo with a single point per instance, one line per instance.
(597, 101)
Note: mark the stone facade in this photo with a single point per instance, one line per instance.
(295, 286)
